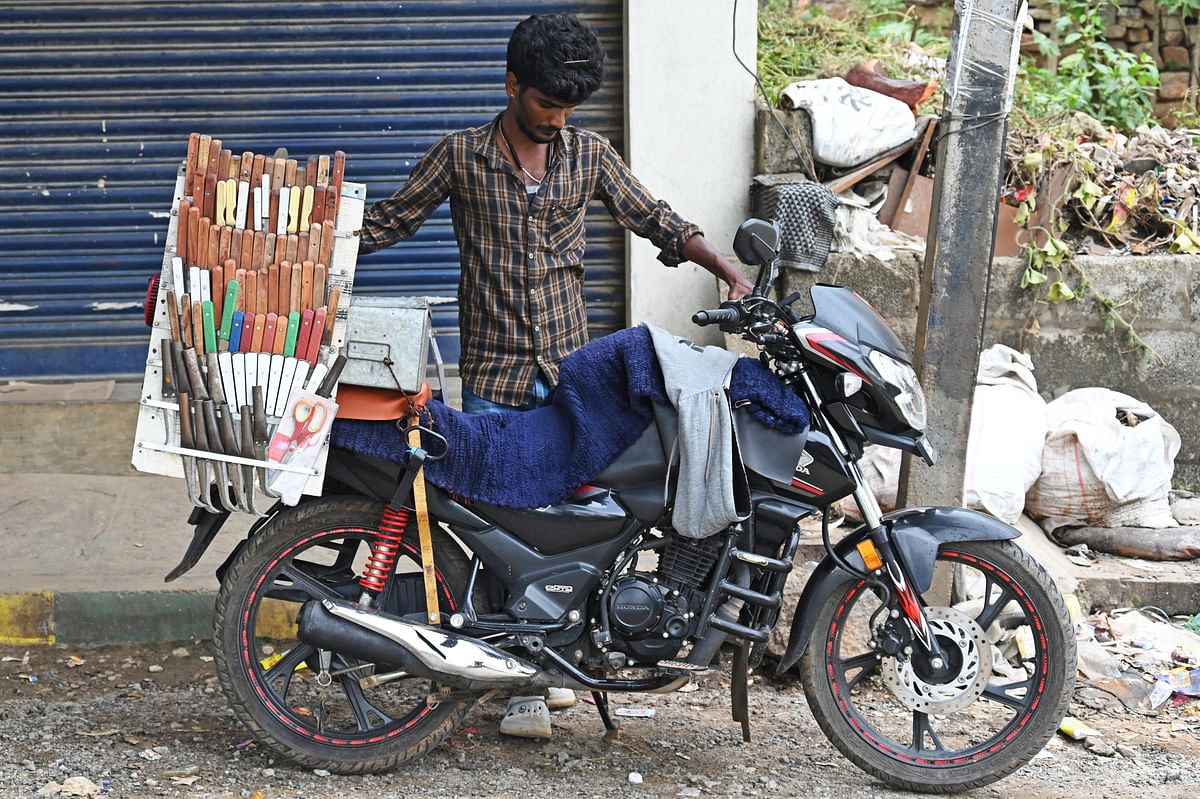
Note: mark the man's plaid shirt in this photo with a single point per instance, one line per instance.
(521, 302)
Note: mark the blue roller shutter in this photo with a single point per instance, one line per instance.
(97, 100)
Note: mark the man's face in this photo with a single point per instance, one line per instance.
(538, 116)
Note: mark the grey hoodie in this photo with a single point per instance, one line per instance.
(711, 480)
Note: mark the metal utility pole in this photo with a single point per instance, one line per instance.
(958, 260)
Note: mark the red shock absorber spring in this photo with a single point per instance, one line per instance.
(384, 549)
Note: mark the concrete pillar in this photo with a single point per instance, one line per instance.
(690, 140)
(954, 283)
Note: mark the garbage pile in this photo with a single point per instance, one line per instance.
(1103, 192)
(1135, 661)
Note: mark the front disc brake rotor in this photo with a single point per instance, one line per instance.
(963, 640)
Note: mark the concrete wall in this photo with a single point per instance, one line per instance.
(1071, 350)
(690, 127)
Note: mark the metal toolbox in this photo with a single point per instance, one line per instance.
(387, 342)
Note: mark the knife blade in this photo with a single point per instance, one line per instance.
(212, 436)
(229, 443)
(195, 381)
(247, 451)
(187, 441)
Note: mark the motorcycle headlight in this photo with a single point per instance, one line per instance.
(900, 376)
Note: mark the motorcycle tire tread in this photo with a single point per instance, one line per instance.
(310, 516)
(956, 779)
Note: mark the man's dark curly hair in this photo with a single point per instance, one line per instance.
(558, 55)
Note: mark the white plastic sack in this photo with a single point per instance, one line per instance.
(1008, 432)
(850, 124)
(1102, 471)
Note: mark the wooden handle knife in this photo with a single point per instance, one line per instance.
(209, 208)
(247, 251)
(247, 332)
(302, 246)
(306, 285)
(223, 159)
(260, 329)
(235, 245)
(289, 171)
(327, 240)
(173, 315)
(185, 319)
(273, 289)
(240, 276)
(314, 244)
(263, 293)
(304, 334)
(269, 250)
(295, 288)
(268, 337)
(259, 255)
(189, 164)
(316, 335)
(318, 287)
(322, 171)
(183, 217)
(217, 248)
(310, 171)
(301, 177)
(293, 218)
(250, 295)
(285, 288)
(229, 306)
(235, 331)
(335, 296)
(335, 181)
(197, 232)
(293, 330)
(318, 211)
(214, 157)
(281, 326)
(197, 328)
(306, 206)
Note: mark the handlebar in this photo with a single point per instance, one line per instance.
(718, 316)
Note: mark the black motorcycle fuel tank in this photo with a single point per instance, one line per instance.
(808, 468)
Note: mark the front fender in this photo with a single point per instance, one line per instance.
(916, 534)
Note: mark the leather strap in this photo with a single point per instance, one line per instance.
(425, 535)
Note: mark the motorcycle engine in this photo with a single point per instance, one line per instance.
(650, 620)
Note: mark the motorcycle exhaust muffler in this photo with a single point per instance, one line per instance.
(418, 649)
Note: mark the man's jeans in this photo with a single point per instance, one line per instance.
(473, 403)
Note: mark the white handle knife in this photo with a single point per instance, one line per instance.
(285, 387)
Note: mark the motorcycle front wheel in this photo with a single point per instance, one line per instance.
(993, 706)
(354, 724)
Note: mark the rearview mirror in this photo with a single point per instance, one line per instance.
(757, 242)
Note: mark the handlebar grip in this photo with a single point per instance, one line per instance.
(718, 316)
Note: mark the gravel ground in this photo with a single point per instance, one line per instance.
(151, 721)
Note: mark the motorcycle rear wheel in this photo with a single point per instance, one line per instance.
(308, 552)
(917, 733)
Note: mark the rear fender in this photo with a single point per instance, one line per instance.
(916, 534)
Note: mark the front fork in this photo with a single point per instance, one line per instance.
(882, 563)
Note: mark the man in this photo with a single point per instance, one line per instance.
(518, 190)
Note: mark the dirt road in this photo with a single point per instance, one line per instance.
(151, 721)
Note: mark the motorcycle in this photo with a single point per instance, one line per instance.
(934, 653)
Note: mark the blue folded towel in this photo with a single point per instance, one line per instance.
(601, 405)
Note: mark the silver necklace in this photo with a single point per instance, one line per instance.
(517, 158)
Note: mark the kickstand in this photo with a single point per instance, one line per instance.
(610, 726)
(739, 689)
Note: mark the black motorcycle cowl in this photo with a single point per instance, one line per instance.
(916, 534)
(841, 310)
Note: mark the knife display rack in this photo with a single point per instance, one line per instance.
(257, 275)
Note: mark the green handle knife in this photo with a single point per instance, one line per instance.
(293, 329)
(210, 330)
(231, 295)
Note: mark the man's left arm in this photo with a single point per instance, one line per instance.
(634, 208)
